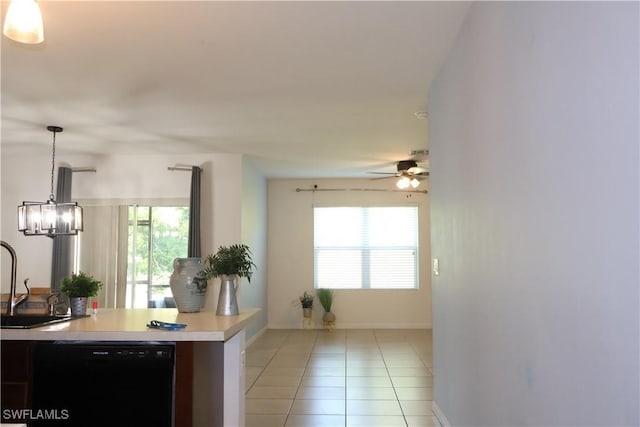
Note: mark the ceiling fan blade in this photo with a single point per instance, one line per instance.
(383, 177)
(384, 173)
(417, 170)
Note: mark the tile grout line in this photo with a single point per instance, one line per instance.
(304, 371)
(384, 360)
(345, 378)
(264, 367)
(286, 418)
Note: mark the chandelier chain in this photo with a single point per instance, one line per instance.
(53, 164)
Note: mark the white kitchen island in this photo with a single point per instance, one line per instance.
(209, 355)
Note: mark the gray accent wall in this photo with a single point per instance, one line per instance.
(534, 196)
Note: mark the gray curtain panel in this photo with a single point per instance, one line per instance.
(61, 259)
(194, 214)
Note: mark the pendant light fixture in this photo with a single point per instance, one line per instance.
(50, 218)
(23, 22)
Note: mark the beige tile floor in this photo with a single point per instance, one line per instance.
(340, 378)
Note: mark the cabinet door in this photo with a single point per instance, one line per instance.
(16, 375)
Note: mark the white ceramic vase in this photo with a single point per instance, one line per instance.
(187, 289)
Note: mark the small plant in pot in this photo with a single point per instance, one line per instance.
(306, 301)
(79, 287)
(326, 300)
(229, 263)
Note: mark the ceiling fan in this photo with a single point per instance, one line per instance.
(408, 174)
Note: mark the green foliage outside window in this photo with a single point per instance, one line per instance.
(157, 235)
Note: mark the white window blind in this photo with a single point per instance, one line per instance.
(366, 247)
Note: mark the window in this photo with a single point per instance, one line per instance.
(157, 235)
(366, 247)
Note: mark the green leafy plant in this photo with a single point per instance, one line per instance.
(229, 260)
(306, 300)
(326, 298)
(80, 285)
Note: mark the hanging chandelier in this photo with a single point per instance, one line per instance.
(23, 22)
(50, 218)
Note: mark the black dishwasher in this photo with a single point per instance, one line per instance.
(103, 384)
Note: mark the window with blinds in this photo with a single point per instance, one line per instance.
(366, 247)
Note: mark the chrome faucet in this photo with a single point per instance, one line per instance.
(13, 301)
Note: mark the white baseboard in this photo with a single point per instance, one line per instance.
(297, 325)
(318, 325)
(444, 422)
(383, 326)
(255, 336)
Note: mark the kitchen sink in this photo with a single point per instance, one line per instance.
(27, 321)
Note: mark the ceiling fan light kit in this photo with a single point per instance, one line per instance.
(408, 172)
(405, 181)
(23, 22)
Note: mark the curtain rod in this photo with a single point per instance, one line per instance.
(84, 170)
(298, 190)
(180, 168)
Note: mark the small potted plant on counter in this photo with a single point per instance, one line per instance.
(79, 287)
(306, 301)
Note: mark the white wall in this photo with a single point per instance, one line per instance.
(254, 234)
(534, 189)
(290, 259)
(24, 179)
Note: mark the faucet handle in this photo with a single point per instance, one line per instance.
(52, 301)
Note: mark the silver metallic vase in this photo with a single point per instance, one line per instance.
(79, 306)
(227, 302)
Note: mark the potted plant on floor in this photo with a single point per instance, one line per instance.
(306, 301)
(326, 300)
(79, 287)
(229, 263)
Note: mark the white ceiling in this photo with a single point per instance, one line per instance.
(308, 89)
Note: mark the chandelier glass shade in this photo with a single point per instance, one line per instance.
(23, 22)
(50, 218)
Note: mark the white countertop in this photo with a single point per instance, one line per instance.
(118, 324)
